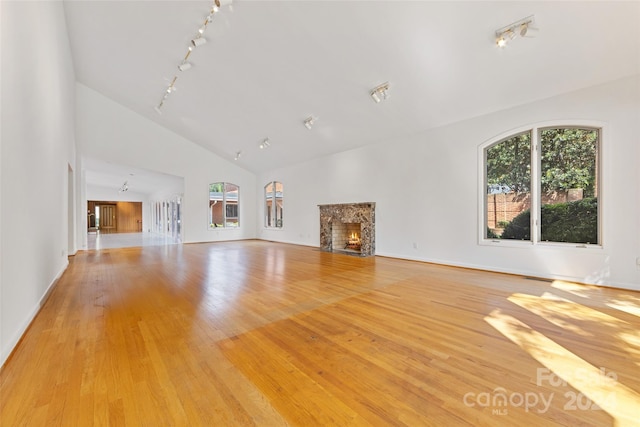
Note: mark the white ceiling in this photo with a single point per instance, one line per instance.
(112, 177)
(270, 64)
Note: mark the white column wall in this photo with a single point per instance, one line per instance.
(427, 195)
(37, 126)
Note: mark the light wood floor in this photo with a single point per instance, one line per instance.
(267, 334)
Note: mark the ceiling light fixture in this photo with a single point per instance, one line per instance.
(124, 188)
(265, 144)
(198, 40)
(308, 122)
(380, 92)
(238, 155)
(522, 28)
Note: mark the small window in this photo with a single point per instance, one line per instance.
(273, 204)
(223, 205)
(565, 184)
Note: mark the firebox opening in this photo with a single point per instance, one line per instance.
(346, 237)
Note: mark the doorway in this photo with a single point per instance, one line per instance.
(108, 222)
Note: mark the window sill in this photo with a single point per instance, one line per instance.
(527, 243)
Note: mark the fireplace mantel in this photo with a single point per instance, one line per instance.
(349, 213)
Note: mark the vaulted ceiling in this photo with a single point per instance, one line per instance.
(267, 65)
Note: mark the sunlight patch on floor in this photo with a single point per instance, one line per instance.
(575, 288)
(616, 399)
(565, 313)
(626, 306)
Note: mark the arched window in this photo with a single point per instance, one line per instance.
(273, 199)
(224, 199)
(541, 185)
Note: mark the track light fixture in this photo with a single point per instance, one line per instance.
(380, 92)
(125, 187)
(522, 28)
(198, 40)
(308, 122)
(238, 154)
(265, 144)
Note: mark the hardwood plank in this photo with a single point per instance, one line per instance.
(256, 333)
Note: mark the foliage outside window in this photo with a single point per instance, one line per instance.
(223, 205)
(565, 208)
(273, 198)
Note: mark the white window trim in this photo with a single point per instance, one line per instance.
(534, 128)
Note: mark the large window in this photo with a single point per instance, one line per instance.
(273, 192)
(542, 186)
(223, 205)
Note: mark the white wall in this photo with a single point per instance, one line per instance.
(2, 342)
(406, 176)
(110, 132)
(37, 125)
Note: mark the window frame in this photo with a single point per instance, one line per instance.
(274, 206)
(224, 209)
(535, 190)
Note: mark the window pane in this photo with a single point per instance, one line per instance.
(273, 208)
(268, 204)
(231, 200)
(569, 185)
(216, 212)
(278, 200)
(508, 180)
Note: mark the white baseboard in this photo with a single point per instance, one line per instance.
(604, 283)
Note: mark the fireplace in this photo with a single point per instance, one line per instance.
(348, 228)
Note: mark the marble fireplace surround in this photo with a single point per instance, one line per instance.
(349, 213)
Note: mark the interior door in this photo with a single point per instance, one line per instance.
(107, 218)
